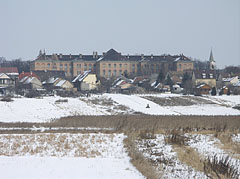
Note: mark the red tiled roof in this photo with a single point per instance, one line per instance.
(23, 74)
(8, 70)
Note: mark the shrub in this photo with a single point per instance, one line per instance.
(220, 166)
(61, 101)
(7, 99)
(32, 94)
(175, 137)
(147, 134)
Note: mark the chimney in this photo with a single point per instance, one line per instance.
(103, 53)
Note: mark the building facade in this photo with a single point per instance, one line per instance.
(111, 63)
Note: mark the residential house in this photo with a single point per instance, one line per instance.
(30, 83)
(202, 89)
(207, 77)
(86, 81)
(230, 81)
(6, 84)
(12, 72)
(64, 84)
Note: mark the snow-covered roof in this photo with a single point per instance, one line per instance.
(177, 59)
(229, 79)
(60, 83)
(82, 76)
(52, 80)
(237, 84)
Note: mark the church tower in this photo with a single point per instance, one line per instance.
(212, 63)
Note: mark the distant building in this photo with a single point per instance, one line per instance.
(12, 72)
(111, 63)
(86, 81)
(6, 83)
(204, 77)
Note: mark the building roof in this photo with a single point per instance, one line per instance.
(81, 76)
(113, 55)
(44, 75)
(27, 79)
(9, 70)
(203, 85)
(229, 79)
(204, 74)
(60, 83)
(24, 74)
(4, 76)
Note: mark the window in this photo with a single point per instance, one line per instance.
(115, 66)
(104, 65)
(61, 66)
(85, 67)
(65, 67)
(204, 75)
(115, 72)
(120, 72)
(109, 72)
(120, 65)
(109, 65)
(48, 65)
(90, 66)
(78, 66)
(104, 72)
(54, 66)
(211, 75)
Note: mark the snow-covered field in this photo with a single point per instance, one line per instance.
(166, 160)
(206, 145)
(46, 109)
(64, 156)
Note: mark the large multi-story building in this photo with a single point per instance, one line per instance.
(111, 63)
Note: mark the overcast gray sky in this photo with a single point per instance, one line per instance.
(190, 27)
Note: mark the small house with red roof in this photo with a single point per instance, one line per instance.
(12, 72)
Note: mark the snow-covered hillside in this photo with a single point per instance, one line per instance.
(46, 109)
(65, 156)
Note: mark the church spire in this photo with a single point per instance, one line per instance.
(212, 63)
(211, 59)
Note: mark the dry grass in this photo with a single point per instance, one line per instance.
(220, 168)
(141, 122)
(228, 144)
(189, 157)
(137, 159)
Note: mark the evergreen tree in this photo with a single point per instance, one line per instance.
(228, 92)
(160, 78)
(213, 92)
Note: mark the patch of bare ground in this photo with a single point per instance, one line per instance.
(137, 159)
(228, 145)
(109, 104)
(178, 101)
